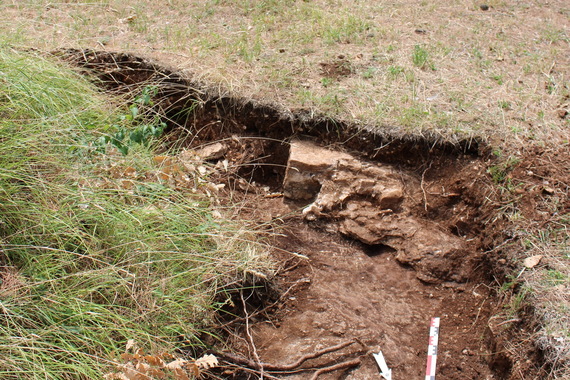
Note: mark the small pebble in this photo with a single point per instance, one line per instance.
(484, 7)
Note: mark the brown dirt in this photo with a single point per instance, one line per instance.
(340, 67)
(352, 293)
(344, 289)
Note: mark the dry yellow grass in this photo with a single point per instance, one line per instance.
(411, 66)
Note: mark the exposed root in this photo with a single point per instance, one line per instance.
(343, 365)
(251, 337)
(261, 368)
(281, 367)
(423, 188)
(508, 321)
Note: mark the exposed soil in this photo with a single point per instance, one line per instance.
(357, 267)
(345, 289)
(354, 293)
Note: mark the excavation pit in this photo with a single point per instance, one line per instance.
(364, 261)
(375, 234)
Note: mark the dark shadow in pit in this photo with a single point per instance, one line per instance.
(378, 249)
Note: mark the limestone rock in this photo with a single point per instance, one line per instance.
(213, 151)
(366, 202)
(306, 161)
(313, 170)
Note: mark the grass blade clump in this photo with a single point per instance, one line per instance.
(86, 265)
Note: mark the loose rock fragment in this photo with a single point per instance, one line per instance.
(532, 261)
(213, 151)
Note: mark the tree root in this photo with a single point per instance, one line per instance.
(248, 364)
(343, 365)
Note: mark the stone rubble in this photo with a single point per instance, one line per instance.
(368, 202)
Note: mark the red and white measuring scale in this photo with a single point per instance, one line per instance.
(432, 348)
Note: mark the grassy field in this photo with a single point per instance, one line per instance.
(411, 66)
(447, 69)
(96, 249)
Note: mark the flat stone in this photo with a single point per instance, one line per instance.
(306, 162)
(306, 156)
(212, 151)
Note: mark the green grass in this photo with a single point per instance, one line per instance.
(85, 263)
(420, 57)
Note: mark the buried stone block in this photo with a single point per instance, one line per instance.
(337, 176)
(434, 254)
(366, 202)
(308, 165)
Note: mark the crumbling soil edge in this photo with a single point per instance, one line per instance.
(177, 93)
(270, 120)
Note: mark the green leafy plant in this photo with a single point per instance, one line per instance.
(134, 127)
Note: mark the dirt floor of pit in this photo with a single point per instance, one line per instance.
(345, 290)
(336, 289)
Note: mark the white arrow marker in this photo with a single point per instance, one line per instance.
(385, 372)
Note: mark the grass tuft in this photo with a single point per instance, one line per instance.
(550, 291)
(85, 263)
